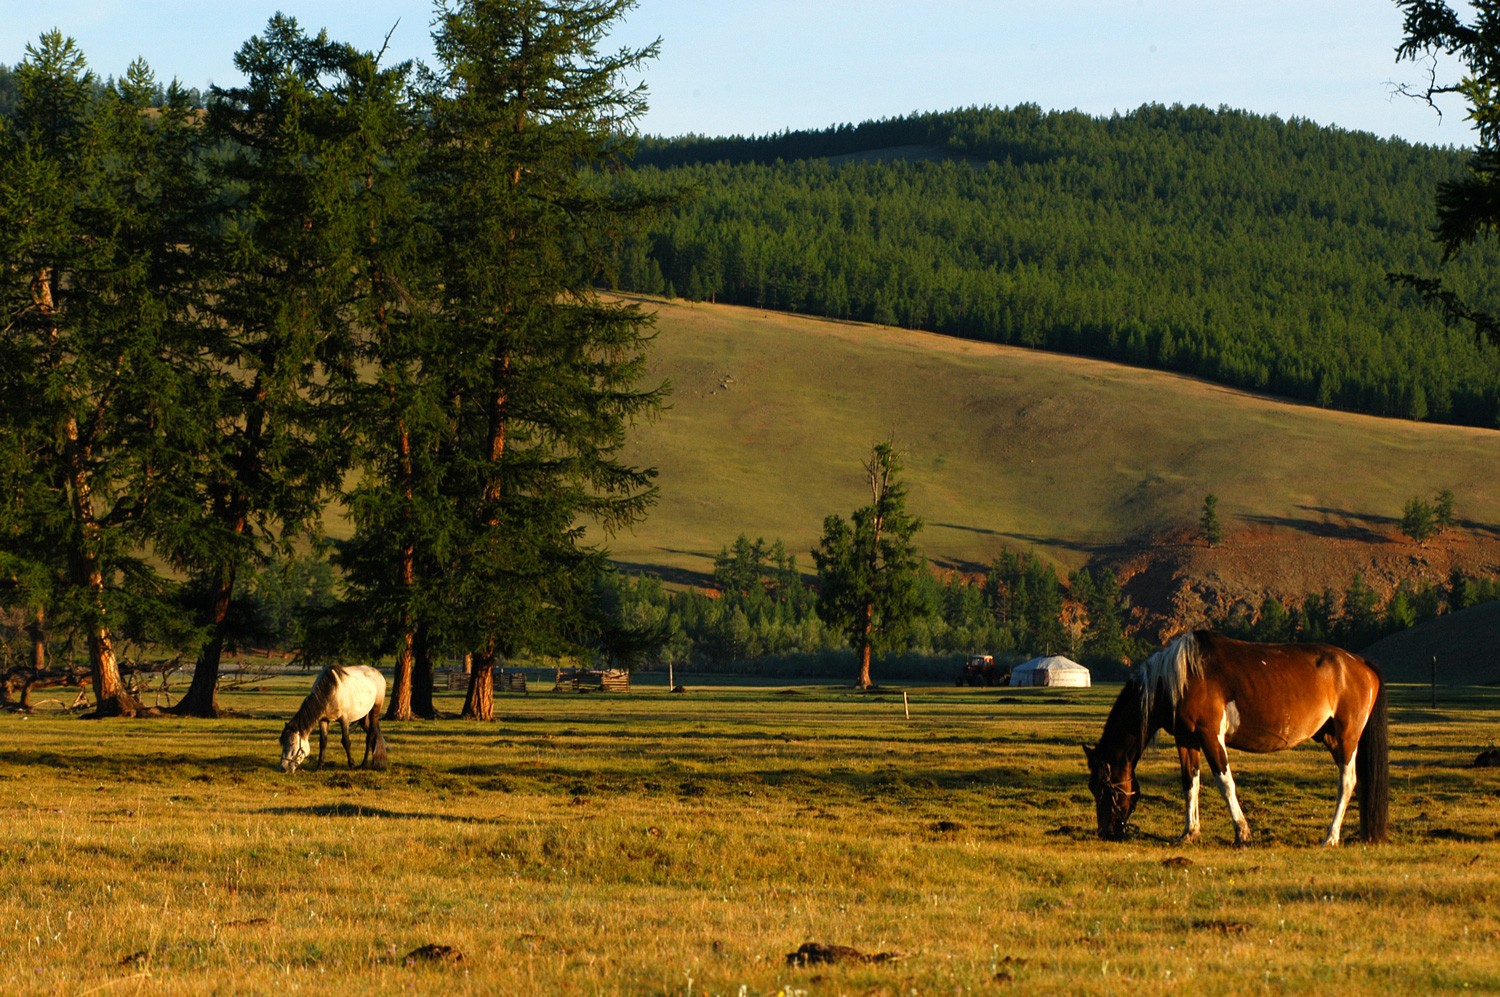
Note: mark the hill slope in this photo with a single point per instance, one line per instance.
(1079, 460)
(1463, 643)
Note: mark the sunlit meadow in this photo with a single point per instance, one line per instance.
(649, 843)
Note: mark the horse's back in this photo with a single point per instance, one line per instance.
(1303, 669)
(1283, 694)
(356, 690)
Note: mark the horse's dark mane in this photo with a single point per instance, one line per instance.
(312, 708)
(1123, 728)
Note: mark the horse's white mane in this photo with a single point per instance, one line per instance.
(1168, 671)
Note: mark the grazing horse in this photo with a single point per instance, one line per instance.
(345, 693)
(1212, 693)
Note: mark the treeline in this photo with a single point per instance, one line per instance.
(759, 616)
(1241, 248)
(10, 92)
(761, 609)
(1356, 617)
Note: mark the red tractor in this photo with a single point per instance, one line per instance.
(980, 669)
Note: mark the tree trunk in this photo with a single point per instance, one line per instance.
(862, 681)
(201, 699)
(36, 631)
(401, 683)
(480, 702)
(406, 572)
(421, 687)
(111, 698)
(232, 507)
(879, 476)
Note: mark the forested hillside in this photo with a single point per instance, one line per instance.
(1245, 249)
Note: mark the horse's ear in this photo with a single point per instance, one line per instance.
(1088, 753)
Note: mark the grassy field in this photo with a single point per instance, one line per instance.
(772, 414)
(651, 843)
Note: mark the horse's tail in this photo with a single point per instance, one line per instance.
(372, 724)
(1373, 770)
(377, 753)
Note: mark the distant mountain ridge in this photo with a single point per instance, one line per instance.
(1242, 248)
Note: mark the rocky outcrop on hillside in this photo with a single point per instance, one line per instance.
(1177, 582)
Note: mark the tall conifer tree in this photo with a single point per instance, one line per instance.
(868, 566)
(284, 244)
(101, 376)
(540, 374)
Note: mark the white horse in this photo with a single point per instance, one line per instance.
(345, 693)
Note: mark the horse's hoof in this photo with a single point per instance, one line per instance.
(1186, 839)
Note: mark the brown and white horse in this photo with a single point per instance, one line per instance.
(1212, 693)
(345, 693)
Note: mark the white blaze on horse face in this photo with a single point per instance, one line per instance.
(294, 750)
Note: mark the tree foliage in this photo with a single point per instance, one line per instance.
(542, 374)
(103, 385)
(869, 566)
(1468, 205)
(336, 276)
(1209, 527)
(1245, 249)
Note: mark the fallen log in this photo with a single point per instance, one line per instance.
(15, 689)
(17, 683)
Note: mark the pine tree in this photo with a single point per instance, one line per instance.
(1467, 207)
(1418, 521)
(1209, 527)
(868, 566)
(1442, 510)
(542, 376)
(283, 238)
(101, 372)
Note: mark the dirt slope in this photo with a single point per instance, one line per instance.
(1178, 582)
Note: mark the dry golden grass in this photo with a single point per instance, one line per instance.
(649, 843)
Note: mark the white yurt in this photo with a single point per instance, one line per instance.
(1051, 669)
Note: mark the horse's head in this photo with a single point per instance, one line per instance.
(295, 747)
(1112, 781)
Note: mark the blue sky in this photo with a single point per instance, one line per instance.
(760, 66)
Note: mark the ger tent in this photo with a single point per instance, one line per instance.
(1050, 669)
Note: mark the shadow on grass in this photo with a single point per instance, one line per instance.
(360, 810)
(667, 573)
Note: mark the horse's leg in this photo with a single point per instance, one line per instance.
(1188, 758)
(1346, 784)
(1218, 761)
(344, 732)
(322, 743)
